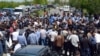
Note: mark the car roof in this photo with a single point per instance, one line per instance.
(31, 49)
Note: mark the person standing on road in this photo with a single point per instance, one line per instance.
(22, 40)
(43, 35)
(37, 32)
(52, 36)
(85, 46)
(97, 37)
(32, 38)
(59, 42)
(74, 39)
(14, 36)
(1, 46)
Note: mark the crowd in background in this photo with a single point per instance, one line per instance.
(74, 33)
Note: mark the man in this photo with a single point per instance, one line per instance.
(15, 35)
(85, 46)
(37, 34)
(52, 36)
(1, 46)
(97, 37)
(67, 44)
(74, 41)
(22, 40)
(43, 35)
(93, 44)
(16, 46)
(32, 38)
(59, 41)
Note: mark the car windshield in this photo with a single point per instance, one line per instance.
(18, 10)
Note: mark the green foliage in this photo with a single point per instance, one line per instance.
(8, 4)
(92, 6)
(56, 2)
(40, 1)
(5, 4)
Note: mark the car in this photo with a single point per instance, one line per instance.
(65, 8)
(9, 10)
(34, 50)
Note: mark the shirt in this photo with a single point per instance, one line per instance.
(74, 40)
(38, 35)
(32, 38)
(64, 33)
(1, 33)
(53, 35)
(85, 43)
(22, 40)
(92, 40)
(1, 48)
(43, 33)
(15, 35)
(97, 37)
(17, 46)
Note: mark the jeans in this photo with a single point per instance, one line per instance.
(93, 49)
(1, 49)
(1, 54)
(43, 42)
(67, 46)
(86, 52)
(98, 48)
(73, 50)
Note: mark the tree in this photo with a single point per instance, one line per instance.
(56, 1)
(40, 1)
(92, 6)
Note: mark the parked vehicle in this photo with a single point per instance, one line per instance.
(10, 11)
(18, 11)
(66, 8)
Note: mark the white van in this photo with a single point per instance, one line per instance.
(66, 8)
(18, 11)
(21, 10)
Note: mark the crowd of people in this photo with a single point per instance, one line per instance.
(74, 33)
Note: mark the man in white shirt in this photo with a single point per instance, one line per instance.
(52, 36)
(74, 41)
(43, 35)
(15, 41)
(97, 37)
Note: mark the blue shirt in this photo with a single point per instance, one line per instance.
(37, 36)
(32, 38)
(22, 40)
(51, 20)
(93, 40)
